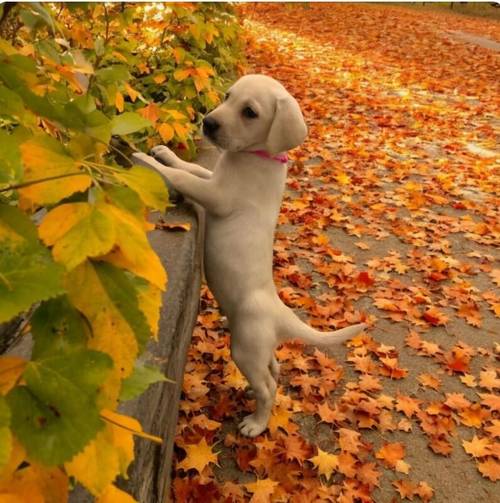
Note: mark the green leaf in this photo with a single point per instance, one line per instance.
(140, 380)
(113, 74)
(10, 103)
(5, 434)
(148, 184)
(57, 327)
(55, 415)
(27, 271)
(128, 122)
(126, 199)
(44, 14)
(10, 158)
(99, 126)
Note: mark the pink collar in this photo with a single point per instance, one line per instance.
(282, 158)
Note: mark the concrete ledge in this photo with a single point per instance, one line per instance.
(157, 409)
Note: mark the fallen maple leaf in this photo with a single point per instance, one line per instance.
(261, 490)
(391, 453)
(488, 379)
(349, 440)
(325, 463)
(490, 469)
(429, 381)
(198, 456)
(477, 447)
(405, 488)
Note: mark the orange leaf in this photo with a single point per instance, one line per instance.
(11, 370)
(198, 456)
(391, 453)
(119, 102)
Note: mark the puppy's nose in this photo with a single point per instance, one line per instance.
(210, 126)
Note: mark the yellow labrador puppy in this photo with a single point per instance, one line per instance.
(254, 127)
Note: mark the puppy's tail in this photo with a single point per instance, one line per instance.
(292, 327)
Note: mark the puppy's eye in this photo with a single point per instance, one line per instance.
(249, 113)
(226, 96)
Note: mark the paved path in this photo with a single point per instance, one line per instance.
(485, 42)
(390, 216)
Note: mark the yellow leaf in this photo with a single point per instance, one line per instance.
(201, 82)
(325, 462)
(131, 92)
(166, 132)
(343, 179)
(149, 298)
(35, 484)
(77, 231)
(175, 114)
(159, 78)
(114, 495)
(198, 456)
(127, 424)
(205, 71)
(213, 97)
(111, 332)
(103, 459)
(134, 252)
(181, 130)
(17, 455)
(45, 157)
(119, 102)
(11, 369)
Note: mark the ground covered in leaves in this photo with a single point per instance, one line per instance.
(390, 217)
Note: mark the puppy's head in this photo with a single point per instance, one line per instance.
(257, 114)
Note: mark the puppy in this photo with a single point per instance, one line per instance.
(254, 127)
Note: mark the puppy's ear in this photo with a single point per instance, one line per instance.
(288, 128)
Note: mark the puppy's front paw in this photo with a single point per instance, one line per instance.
(164, 155)
(251, 427)
(143, 159)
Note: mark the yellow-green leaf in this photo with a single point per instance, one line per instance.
(148, 184)
(44, 157)
(134, 252)
(182, 74)
(112, 326)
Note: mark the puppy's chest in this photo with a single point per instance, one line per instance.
(252, 183)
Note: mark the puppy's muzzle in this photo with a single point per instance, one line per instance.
(210, 126)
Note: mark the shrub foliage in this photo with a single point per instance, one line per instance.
(81, 86)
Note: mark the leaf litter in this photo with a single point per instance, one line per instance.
(390, 217)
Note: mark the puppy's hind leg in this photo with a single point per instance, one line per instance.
(274, 368)
(252, 357)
